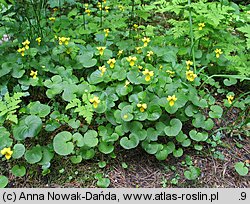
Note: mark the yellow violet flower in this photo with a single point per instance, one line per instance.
(149, 54)
(102, 69)
(101, 50)
(160, 67)
(121, 8)
(190, 75)
(7, 153)
(139, 50)
(142, 107)
(52, 19)
(218, 52)
(230, 99)
(107, 8)
(127, 82)
(33, 74)
(104, 1)
(21, 50)
(171, 100)
(39, 39)
(189, 63)
(171, 73)
(106, 32)
(120, 53)
(148, 74)
(95, 101)
(111, 62)
(135, 26)
(86, 5)
(63, 40)
(88, 12)
(26, 44)
(145, 40)
(131, 60)
(201, 26)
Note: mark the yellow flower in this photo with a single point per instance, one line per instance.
(131, 60)
(33, 74)
(230, 99)
(149, 54)
(106, 32)
(26, 44)
(140, 68)
(107, 8)
(142, 107)
(139, 50)
(52, 19)
(111, 62)
(88, 12)
(145, 40)
(218, 52)
(190, 75)
(120, 53)
(171, 73)
(21, 50)
(171, 100)
(125, 116)
(95, 101)
(86, 5)
(102, 69)
(189, 63)
(63, 40)
(101, 50)
(160, 67)
(104, 1)
(148, 74)
(201, 26)
(39, 39)
(135, 26)
(7, 152)
(121, 8)
(127, 82)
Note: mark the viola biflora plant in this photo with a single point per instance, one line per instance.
(79, 79)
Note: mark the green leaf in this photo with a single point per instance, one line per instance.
(6, 68)
(18, 171)
(18, 151)
(151, 148)
(154, 112)
(3, 181)
(103, 182)
(198, 136)
(126, 113)
(129, 143)
(28, 127)
(33, 155)
(86, 60)
(241, 169)
(87, 153)
(193, 173)
(174, 128)
(106, 147)
(62, 143)
(78, 138)
(36, 108)
(216, 111)
(162, 154)
(95, 77)
(5, 140)
(178, 152)
(76, 159)
(230, 81)
(90, 138)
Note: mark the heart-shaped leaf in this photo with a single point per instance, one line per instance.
(130, 143)
(90, 138)
(198, 136)
(3, 181)
(174, 128)
(216, 111)
(62, 143)
(33, 155)
(18, 151)
(106, 147)
(18, 171)
(241, 168)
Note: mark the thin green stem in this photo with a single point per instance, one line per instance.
(101, 13)
(191, 34)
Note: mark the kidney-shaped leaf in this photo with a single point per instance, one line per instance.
(62, 143)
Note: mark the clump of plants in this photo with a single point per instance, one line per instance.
(81, 78)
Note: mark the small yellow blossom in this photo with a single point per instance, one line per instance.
(127, 82)
(135, 26)
(149, 54)
(7, 153)
(95, 101)
(145, 40)
(140, 68)
(131, 60)
(125, 116)
(218, 52)
(26, 44)
(190, 75)
(171, 73)
(55, 9)
(201, 26)
(33, 74)
(230, 99)
(21, 50)
(107, 8)
(101, 50)
(63, 40)
(106, 32)
(52, 19)
(39, 39)
(104, 1)
(160, 67)
(120, 53)
(148, 74)
(189, 63)
(139, 50)
(121, 8)
(171, 100)
(142, 107)
(99, 5)
(102, 69)
(111, 62)
(86, 5)
(88, 12)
